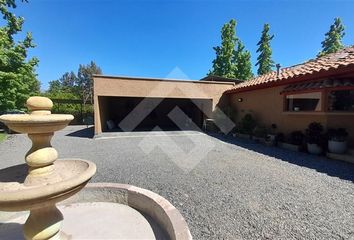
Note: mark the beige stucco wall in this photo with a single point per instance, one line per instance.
(266, 105)
(156, 88)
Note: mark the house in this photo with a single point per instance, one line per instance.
(320, 90)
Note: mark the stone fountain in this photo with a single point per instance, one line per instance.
(39, 194)
(48, 181)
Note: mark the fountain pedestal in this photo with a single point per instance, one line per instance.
(43, 223)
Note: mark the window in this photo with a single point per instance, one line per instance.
(303, 102)
(341, 100)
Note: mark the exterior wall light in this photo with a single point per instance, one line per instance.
(240, 100)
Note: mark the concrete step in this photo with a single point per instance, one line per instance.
(342, 157)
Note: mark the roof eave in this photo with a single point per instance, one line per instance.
(304, 77)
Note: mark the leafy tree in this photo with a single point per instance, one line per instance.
(65, 88)
(66, 83)
(17, 73)
(232, 60)
(84, 81)
(54, 87)
(242, 61)
(264, 60)
(333, 38)
(72, 86)
(223, 63)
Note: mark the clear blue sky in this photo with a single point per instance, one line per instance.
(151, 38)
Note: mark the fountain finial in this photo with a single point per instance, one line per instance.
(39, 105)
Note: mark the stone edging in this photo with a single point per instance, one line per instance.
(157, 207)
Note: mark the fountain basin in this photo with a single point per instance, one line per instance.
(32, 124)
(66, 178)
(100, 206)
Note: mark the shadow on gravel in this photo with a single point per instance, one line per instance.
(11, 230)
(333, 168)
(15, 173)
(83, 133)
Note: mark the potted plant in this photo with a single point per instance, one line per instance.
(241, 133)
(297, 138)
(260, 134)
(314, 138)
(271, 136)
(337, 140)
(246, 126)
(279, 138)
(294, 142)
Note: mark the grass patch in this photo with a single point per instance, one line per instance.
(2, 137)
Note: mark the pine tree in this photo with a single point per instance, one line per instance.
(222, 65)
(242, 61)
(333, 38)
(264, 60)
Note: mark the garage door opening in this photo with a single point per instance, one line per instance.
(146, 114)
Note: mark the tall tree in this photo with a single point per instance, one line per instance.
(18, 79)
(333, 38)
(66, 83)
(242, 61)
(232, 60)
(223, 64)
(54, 87)
(73, 87)
(264, 59)
(85, 81)
(68, 80)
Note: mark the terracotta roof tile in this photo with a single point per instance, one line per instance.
(328, 62)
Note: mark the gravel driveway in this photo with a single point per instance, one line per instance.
(225, 188)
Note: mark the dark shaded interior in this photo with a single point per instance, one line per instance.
(303, 104)
(146, 114)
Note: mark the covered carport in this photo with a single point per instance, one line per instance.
(130, 104)
(156, 113)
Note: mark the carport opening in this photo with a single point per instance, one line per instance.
(146, 114)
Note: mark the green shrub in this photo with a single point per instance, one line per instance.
(297, 138)
(314, 133)
(247, 124)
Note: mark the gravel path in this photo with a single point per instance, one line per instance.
(225, 188)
